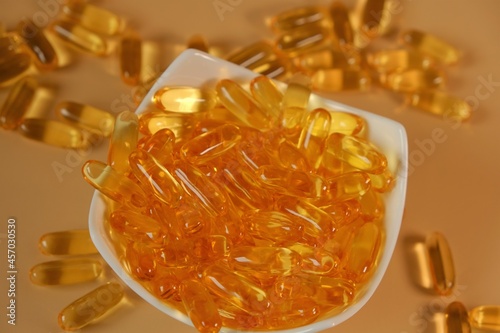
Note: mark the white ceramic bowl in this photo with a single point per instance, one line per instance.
(194, 68)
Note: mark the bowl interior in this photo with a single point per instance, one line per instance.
(195, 68)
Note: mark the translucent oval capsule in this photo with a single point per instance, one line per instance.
(273, 226)
(71, 242)
(387, 61)
(382, 182)
(442, 268)
(303, 40)
(184, 99)
(161, 146)
(456, 318)
(87, 117)
(10, 43)
(253, 55)
(136, 226)
(289, 156)
(431, 45)
(94, 18)
(304, 17)
(130, 57)
(80, 37)
(17, 103)
(13, 67)
(66, 271)
(265, 91)
(364, 251)
(140, 260)
(344, 212)
(330, 291)
(339, 79)
(233, 316)
(114, 185)
(44, 54)
(315, 260)
(198, 42)
(90, 306)
(295, 313)
(181, 124)
(342, 26)
(411, 80)
(315, 130)
(440, 103)
(485, 317)
(277, 67)
(349, 185)
(54, 133)
(346, 123)
(298, 92)
(375, 17)
(123, 141)
(328, 57)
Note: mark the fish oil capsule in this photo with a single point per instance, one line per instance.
(315, 130)
(289, 156)
(198, 42)
(339, 79)
(253, 55)
(295, 101)
(211, 144)
(90, 306)
(382, 182)
(136, 226)
(273, 226)
(440, 103)
(364, 251)
(161, 146)
(456, 318)
(430, 45)
(342, 26)
(263, 261)
(130, 57)
(13, 67)
(374, 17)
(242, 104)
(441, 263)
(44, 55)
(344, 212)
(278, 67)
(267, 94)
(94, 18)
(303, 40)
(328, 57)
(53, 133)
(87, 117)
(114, 185)
(485, 317)
(80, 37)
(184, 99)
(297, 312)
(200, 307)
(140, 260)
(179, 123)
(411, 80)
(346, 123)
(387, 61)
(315, 260)
(232, 316)
(71, 242)
(123, 141)
(350, 185)
(330, 291)
(66, 271)
(305, 17)
(371, 205)
(17, 103)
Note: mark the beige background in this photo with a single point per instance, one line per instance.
(454, 187)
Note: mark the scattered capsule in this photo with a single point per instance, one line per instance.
(339, 79)
(80, 37)
(363, 253)
(303, 40)
(346, 123)
(66, 271)
(328, 57)
(441, 263)
(94, 18)
(265, 91)
(17, 103)
(273, 226)
(315, 130)
(440, 103)
(13, 67)
(456, 318)
(253, 55)
(87, 117)
(387, 61)
(342, 26)
(198, 42)
(184, 99)
(123, 141)
(130, 56)
(302, 17)
(430, 45)
(374, 17)
(90, 306)
(44, 54)
(71, 242)
(411, 80)
(486, 317)
(278, 67)
(296, 312)
(54, 133)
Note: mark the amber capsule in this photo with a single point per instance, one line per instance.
(441, 263)
(140, 260)
(94, 18)
(80, 37)
(242, 104)
(114, 185)
(456, 318)
(53, 133)
(383, 182)
(303, 40)
(371, 205)
(13, 67)
(342, 27)
(136, 226)
(344, 212)
(289, 156)
(184, 99)
(66, 271)
(71, 242)
(329, 291)
(265, 91)
(387, 61)
(87, 117)
(298, 92)
(123, 141)
(180, 124)
(315, 130)
(277, 67)
(328, 57)
(374, 17)
(90, 306)
(339, 79)
(17, 103)
(253, 55)
(295, 313)
(233, 316)
(44, 55)
(161, 146)
(305, 17)
(440, 103)
(411, 80)
(431, 45)
(485, 317)
(349, 185)
(346, 123)
(364, 251)
(315, 260)
(273, 226)
(130, 57)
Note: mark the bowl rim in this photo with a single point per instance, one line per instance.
(196, 68)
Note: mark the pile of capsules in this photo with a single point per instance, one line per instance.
(257, 213)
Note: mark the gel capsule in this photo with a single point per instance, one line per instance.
(180, 124)
(303, 40)
(253, 55)
(346, 123)
(315, 260)
(90, 306)
(339, 79)
(140, 260)
(161, 146)
(328, 57)
(486, 317)
(364, 251)
(330, 291)
(456, 318)
(342, 26)
(374, 17)
(44, 55)
(442, 268)
(295, 313)
(411, 80)
(94, 18)
(315, 130)
(123, 141)
(291, 157)
(17, 103)
(349, 185)
(92, 119)
(440, 103)
(71, 242)
(13, 67)
(130, 56)
(67, 271)
(387, 61)
(80, 37)
(273, 226)
(53, 133)
(298, 92)
(184, 99)
(302, 17)
(431, 45)
(267, 94)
